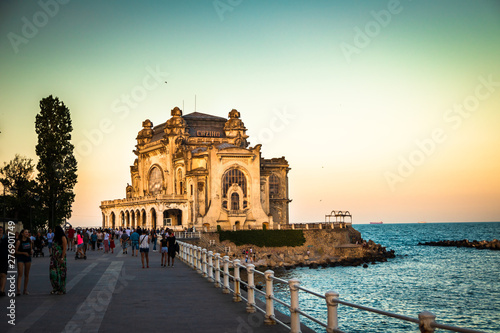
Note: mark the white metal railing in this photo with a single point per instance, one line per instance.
(187, 234)
(208, 264)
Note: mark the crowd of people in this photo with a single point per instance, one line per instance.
(80, 240)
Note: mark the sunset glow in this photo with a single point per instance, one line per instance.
(388, 109)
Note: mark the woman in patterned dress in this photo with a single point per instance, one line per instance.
(58, 262)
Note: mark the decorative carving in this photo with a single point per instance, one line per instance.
(128, 191)
(235, 129)
(176, 112)
(201, 185)
(144, 136)
(176, 125)
(239, 142)
(135, 184)
(234, 122)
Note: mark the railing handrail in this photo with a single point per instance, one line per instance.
(202, 260)
(187, 234)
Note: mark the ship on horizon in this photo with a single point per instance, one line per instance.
(379, 222)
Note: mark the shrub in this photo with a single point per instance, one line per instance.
(269, 238)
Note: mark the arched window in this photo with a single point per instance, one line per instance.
(235, 201)
(155, 181)
(274, 186)
(233, 176)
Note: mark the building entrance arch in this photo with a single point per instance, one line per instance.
(143, 218)
(132, 215)
(172, 217)
(237, 226)
(153, 219)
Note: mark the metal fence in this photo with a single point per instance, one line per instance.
(187, 234)
(208, 264)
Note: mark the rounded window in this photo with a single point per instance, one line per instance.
(155, 181)
(234, 176)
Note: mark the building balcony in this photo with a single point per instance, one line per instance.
(237, 212)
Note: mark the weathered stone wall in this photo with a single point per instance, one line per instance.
(326, 245)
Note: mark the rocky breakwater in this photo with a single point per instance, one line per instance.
(322, 248)
(481, 245)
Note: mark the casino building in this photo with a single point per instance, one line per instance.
(197, 170)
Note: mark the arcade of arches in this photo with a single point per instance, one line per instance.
(198, 170)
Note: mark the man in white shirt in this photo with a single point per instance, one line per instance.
(50, 239)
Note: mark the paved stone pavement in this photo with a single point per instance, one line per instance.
(113, 293)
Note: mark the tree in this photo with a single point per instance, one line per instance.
(56, 165)
(19, 188)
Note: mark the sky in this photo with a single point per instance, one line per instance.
(387, 109)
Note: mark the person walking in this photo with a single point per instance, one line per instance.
(134, 239)
(79, 244)
(93, 240)
(99, 240)
(154, 239)
(71, 237)
(124, 240)
(144, 248)
(171, 248)
(24, 251)
(50, 239)
(58, 266)
(86, 238)
(164, 250)
(112, 242)
(106, 241)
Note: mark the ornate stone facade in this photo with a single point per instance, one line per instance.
(198, 171)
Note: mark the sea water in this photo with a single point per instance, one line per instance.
(461, 286)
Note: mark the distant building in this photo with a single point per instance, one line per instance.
(197, 171)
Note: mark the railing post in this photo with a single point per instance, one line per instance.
(193, 250)
(210, 267)
(198, 259)
(251, 289)
(269, 274)
(204, 262)
(191, 256)
(225, 288)
(426, 319)
(237, 294)
(217, 270)
(332, 322)
(294, 305)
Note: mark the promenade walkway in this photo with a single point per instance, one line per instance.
(112, 293)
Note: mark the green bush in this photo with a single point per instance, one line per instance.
(269, 238)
